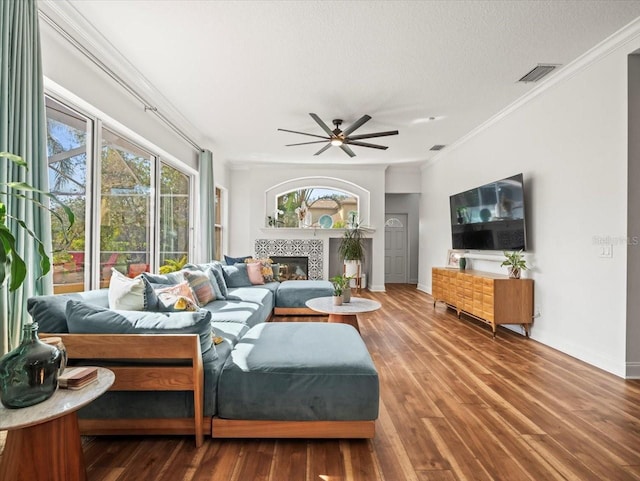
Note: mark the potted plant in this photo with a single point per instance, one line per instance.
(516, 263)
(339, 283)
(12, 266)
(352, 251)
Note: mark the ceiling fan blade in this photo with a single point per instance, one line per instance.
(324, 126)
(304, 133)
(323, 149)
(366, 144)
(356, 125)
(375, 134)
(307, 143)
(347, 150)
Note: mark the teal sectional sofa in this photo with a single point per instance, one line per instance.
(261, 380)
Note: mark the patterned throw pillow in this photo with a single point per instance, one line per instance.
(201, 286)
(266, 269)
(176, 298)
(254, 269)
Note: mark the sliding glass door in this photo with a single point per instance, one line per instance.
(126, 203)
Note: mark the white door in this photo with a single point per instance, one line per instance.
(395, 248)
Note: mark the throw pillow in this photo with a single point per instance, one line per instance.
(85, 318)
(201, 286)
(267, 271)
(234, 260)
(254, 270)
(169, 296)
(236, 275)
(126, 293)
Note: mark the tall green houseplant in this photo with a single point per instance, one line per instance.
(12, 266)
(352, 245)
(352, 252)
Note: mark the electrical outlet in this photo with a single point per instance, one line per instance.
(606, 251)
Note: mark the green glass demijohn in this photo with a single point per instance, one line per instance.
(29, 373)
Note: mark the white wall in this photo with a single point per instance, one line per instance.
(67, 67)
(403, 180)
(248, 208)
(571, 144)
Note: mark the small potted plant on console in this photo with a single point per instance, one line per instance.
(516, 263)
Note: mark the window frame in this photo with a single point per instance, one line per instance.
(99, 121)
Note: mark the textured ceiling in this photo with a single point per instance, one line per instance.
(239, 70)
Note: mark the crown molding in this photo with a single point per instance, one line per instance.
(617, 40)
(76, 26)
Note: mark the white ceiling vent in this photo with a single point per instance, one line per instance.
(437, 147)
(538, 72)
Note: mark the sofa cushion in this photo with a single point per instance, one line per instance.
(242, 312)
(231, 332)
(170, 279)
(297, 293)
(236, 275)
(83, 318)
(299, 371)
(221, 291)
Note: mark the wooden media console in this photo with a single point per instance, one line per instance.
(491, 298)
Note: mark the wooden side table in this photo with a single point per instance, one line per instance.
(346, 313)
(43, 442)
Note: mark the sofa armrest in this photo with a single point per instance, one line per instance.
(178, 367)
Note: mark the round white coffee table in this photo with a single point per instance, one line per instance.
(347, 312)
(43, 442)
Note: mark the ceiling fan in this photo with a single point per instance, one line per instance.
(343, 138)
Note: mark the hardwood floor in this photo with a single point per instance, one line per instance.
(455, 405)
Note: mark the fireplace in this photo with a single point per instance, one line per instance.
(292, 268)
(311, 249)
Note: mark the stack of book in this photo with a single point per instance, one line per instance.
(77, 377)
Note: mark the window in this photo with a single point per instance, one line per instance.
(68, 134)
(218, 223)
(315, 207)
(132, 208)
(125, 207)
(174, 214)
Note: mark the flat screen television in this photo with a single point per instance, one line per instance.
(490, 217)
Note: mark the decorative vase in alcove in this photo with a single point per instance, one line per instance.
(29, 373)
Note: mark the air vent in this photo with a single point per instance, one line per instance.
(536, 73)
(438, 147)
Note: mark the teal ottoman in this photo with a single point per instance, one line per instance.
(291, 297)
(299, 371)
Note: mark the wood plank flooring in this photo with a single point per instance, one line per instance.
(456, 405)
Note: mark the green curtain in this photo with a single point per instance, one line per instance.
(22, 132)
(206, 231)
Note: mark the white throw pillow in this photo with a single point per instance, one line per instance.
(124, 293)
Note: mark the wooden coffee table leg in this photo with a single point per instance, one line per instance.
(350, 319)
(50, 451)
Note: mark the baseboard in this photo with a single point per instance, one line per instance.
(377, 288)
(632, 370)
(424, 288)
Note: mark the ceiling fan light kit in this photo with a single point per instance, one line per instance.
(342, 138)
